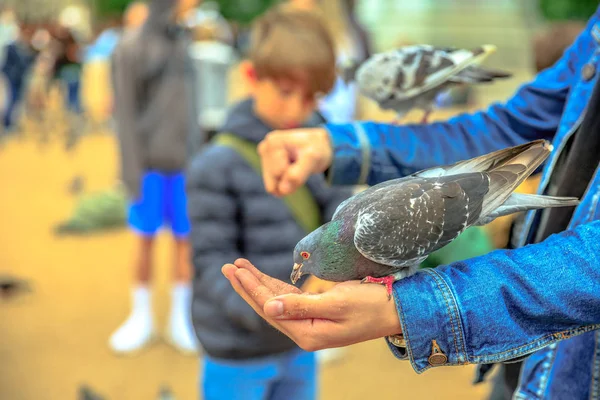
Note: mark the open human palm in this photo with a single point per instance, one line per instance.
(347, 313)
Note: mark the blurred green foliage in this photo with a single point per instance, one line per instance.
(110, 8)
(561, 10)
(241, 11)
(244, 11)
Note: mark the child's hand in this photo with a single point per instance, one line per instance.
(349, 313)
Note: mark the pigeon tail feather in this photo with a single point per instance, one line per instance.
(510, 168)
(518, 202)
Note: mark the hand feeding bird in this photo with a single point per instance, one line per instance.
(413, 76)
(382, 234)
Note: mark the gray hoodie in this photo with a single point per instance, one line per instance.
(153, 84)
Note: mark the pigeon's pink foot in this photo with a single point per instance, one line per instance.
(388, 281)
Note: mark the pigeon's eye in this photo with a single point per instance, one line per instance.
(305, 255)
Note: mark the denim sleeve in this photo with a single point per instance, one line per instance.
(503, 305)
(368, 152)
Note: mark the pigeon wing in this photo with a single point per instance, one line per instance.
(426, 67)
(406, 223)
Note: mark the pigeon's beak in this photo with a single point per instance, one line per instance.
(296, 273)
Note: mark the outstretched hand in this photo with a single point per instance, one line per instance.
(348, 313)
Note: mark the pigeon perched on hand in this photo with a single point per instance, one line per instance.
(413, 76)
(382, 234)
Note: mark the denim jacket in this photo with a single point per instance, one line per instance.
(540, 301)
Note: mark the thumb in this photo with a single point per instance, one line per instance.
(303, 306)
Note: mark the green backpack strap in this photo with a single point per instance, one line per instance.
(301, 203)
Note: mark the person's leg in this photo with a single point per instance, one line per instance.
(75, 119)
(14, 95)
(145, 219)
(237, 380)
(299, 378)
(181, 328)
(73, 102)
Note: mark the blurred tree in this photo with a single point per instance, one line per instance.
(243, 11)
(561, 10)
(109, 8)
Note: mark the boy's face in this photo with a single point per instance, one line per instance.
(282, 103)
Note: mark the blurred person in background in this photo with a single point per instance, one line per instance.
(134, 16)
(9, 30)
(538, 302)
(213, 55)
(20, 57)
(67, 64)
(291, 61)
(98, 54)
(154, 116)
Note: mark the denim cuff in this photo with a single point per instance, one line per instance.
(351, 154)
(430, 321)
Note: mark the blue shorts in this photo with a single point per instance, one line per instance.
(162, 201)
(288, 376)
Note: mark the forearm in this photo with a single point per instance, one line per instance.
(506, 304)
(369, 152)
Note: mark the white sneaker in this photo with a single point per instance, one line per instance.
(138, 330)
(180, 331)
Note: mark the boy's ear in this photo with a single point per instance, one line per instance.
(248, 72)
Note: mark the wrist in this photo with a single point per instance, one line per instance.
(328, 149)
(392, 326)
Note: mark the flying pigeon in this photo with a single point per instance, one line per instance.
(413, 76)
(382, 234)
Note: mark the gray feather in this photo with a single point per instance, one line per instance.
(518, 202)
(413, 76)
(476, 74)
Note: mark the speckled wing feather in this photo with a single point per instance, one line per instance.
(410, 71)
(410, 220)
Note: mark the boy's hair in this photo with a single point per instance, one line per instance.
(295, 44)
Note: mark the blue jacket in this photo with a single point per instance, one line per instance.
(540, 301)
